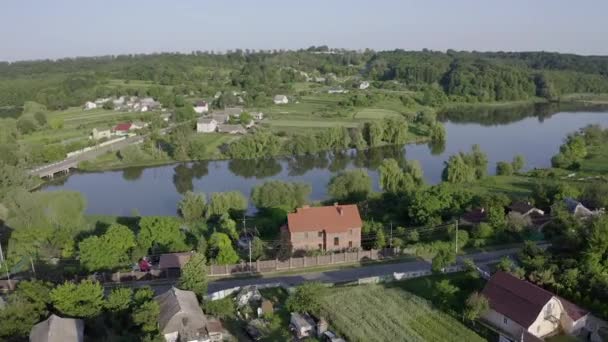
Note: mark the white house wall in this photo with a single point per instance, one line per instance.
(497, 320)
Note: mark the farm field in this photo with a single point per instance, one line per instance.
(377, 313)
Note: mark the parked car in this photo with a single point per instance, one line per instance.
(253, 332)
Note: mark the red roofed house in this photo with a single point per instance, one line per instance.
(122, 128)
(326, 228)
(522, 311)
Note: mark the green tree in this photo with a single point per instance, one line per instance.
(163, 234)
(221, 308)
(353, 185)
(306, 298)
(278, 194)
(470, 268)
(109, 251)
(40, 118)
(146, 317)
(444, 258)
(221, 250)
(458, 171)
(380, 240)
(373, 133)
(504, 168)
(518, 163)
(445, 291)
(108, 105)
(119, 300)
(477, 305)
(17, 318)
(258, 248)
(84, 299)
(194, 275)
(224, 202)
(192, 206)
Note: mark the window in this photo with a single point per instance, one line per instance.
(336, 241)
(505, 320)
(320, 246)
(351, 231)
(320, 234)
(350, 244)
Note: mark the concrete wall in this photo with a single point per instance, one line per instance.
(543, 325)
(498, 320)
(320, 240)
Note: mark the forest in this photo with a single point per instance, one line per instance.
(460, 76)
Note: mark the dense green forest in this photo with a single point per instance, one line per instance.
(450, 76)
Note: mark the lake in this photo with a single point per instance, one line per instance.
(536, 132)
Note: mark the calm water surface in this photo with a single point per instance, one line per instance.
(535, 133)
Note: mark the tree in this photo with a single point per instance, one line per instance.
(84, 299)
(194, 275)
(228, 226)
(352, 185)
(496, 217)
(192, 206)
(306, 298)
(278, 194)
(163, 234)
(258, 248)
(17, 318)
(119, 300)
(457, 170)
(146, 316)
(109, 251)
(373, 133)
(221, 308)
(380, 241)
(445, 291)
(517, 222)
(470, 268)
(504, 169)
(221, 250)
(224, 202)
(444, 258)
(40, 118)
(108, 105)
(245, 118)
(518, 163)
(26, 125)
(477, 305)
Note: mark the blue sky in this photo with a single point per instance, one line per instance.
(33, 29)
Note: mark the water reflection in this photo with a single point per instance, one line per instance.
(255, 168)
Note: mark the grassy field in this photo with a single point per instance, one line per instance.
(515, 186)
(596, 161)
(376, 113)
(377, 313)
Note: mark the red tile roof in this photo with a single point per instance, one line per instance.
(122, 127)
(517, 299)
(332, 219)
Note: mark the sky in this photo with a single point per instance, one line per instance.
(37, 29)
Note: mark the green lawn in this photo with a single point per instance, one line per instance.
(378, 313)
(376, 113)
(311, 123)
(515, 186)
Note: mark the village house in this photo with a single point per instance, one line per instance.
(206, 125)
(97, 134)
(526, 209)
(122, 129)
(364, 85)
(135, 125)
(90, 105)
(326, 228)
(182, 319)
(280, 99)
(578, 210)
(232, 111)
(201, 107)
(522, 311)
(173, 262)
(58, 329)
(257, 115)
(231, 129)
(147, 104)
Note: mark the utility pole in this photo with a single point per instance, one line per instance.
(456, 240)
(250, 269)
(391, 239)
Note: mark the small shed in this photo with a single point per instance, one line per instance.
(58, 329)
(302, 325)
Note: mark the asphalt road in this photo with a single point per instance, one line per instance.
(337, 276)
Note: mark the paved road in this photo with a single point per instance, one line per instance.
(89, 155)
(337, 276)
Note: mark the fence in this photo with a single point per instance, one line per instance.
(260, 266)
